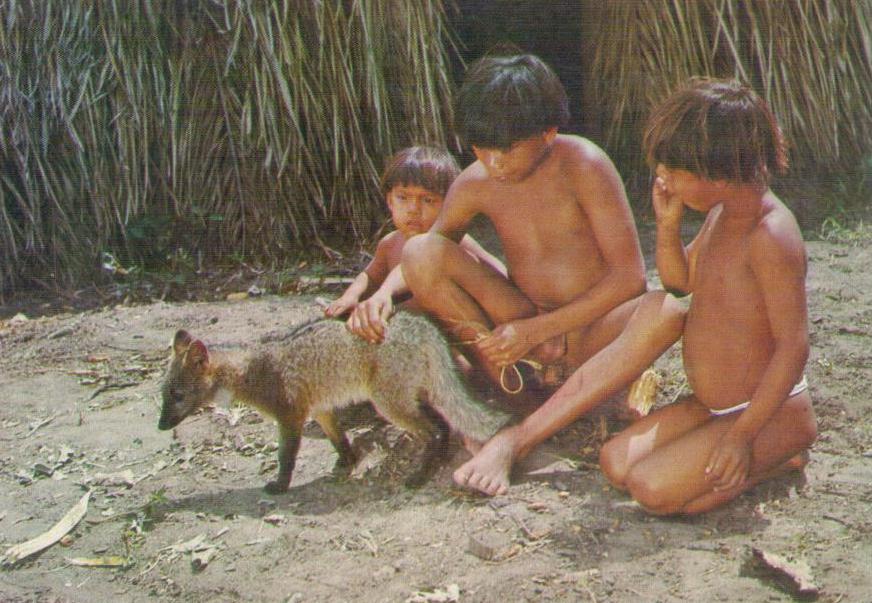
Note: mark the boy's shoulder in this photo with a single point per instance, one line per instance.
(391, 240)
(777, 235)
(579, 146)
(579, 153)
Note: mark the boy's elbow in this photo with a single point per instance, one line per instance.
(804, 350)
(674, 284)
(632, 281)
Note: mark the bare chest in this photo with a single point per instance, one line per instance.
(725, 286)
(531, 220)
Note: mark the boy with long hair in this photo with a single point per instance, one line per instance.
(714, 146)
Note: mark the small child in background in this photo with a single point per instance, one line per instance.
(414, 184)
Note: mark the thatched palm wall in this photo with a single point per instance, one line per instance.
(147, 128)
(811, 60)
(239, 126)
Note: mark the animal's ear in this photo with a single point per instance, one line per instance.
(197, 353)
(181, 341)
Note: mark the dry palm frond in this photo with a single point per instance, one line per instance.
(810, 59)
(238, 127)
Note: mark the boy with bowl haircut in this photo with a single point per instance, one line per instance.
(714, 146)
(575, 268)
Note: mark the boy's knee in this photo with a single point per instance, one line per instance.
(613, 464)
(665, 312)
(653, 497)
(421, 254)
(424, 260)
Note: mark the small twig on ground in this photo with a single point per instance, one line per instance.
(109, 386)
(41, 424)
(837, 520)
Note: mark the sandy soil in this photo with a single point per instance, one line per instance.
(184, 513)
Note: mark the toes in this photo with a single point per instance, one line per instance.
(461, 476)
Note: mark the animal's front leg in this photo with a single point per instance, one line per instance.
(289, 445)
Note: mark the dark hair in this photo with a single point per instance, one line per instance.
(428, 167)
(718, 129)
(505, 99)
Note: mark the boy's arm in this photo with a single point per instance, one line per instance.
(369, 319)
(371, 277)
(483, 255)
(779, 264)
(458, 210)
(348, 300)
(670, 254)
(675, 261)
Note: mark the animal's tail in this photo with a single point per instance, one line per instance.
(451, 398)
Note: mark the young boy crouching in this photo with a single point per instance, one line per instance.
(414, 183)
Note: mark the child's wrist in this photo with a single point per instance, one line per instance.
(669, 226)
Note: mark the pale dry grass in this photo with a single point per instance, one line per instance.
(230, 126)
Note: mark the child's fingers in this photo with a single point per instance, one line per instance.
(714, 470)
(730, 480)
(367, 325)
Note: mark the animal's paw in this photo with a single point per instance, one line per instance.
(276, 487)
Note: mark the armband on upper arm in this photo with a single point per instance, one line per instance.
(676, 292)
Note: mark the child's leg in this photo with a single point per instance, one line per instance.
(655, 323)
(448, 283)
(466, 296)
(648, 434)
(672, 478)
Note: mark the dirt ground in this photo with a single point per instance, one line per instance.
(182, 515)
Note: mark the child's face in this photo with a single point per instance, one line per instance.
(692, 190)
(518, 161)
(413, 208)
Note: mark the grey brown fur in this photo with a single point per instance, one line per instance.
(410, 379)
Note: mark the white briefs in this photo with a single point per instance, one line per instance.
(797, 389)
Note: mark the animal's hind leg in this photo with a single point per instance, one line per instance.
(399, 402)
(328, 422)
(435, 451)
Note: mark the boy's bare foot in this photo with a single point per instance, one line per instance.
(488, 471)
(472, 446)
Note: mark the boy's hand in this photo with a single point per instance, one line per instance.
(369, 319)
(667, 207)
(507, 343)
(729, 463)
(340, 306)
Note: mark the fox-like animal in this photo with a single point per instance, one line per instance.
(410, 378)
